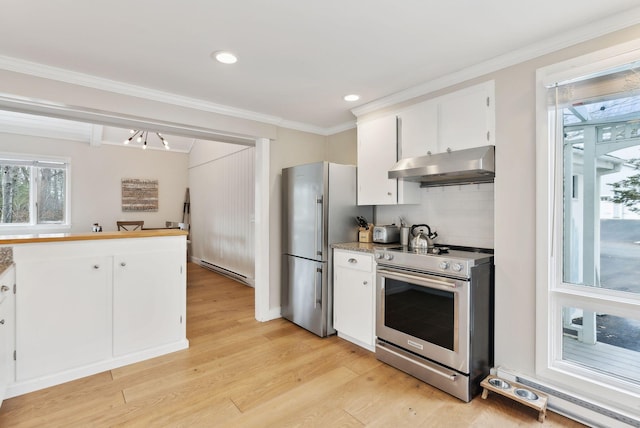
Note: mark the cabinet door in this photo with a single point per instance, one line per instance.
(377, 153)
(418, 130)
(7, 330)
(466, 118)
(63, 314)
(353, 292)
(148, 300)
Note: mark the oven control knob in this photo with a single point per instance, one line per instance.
(388, 256)
(444, 265)
(378, 255)
(457, 267)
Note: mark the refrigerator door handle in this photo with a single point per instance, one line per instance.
(318, 226)
(317, 301)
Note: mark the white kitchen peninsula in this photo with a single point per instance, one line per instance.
(86, 303)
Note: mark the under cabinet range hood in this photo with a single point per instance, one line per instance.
(476, 165)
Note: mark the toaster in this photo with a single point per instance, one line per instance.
(386, 234)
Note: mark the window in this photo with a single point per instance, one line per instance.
(588, 205)
(34, 192)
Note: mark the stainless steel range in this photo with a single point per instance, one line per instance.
(434, 315)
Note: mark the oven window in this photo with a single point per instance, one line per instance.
(421, 312)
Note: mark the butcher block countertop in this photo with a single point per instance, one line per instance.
(62, 237)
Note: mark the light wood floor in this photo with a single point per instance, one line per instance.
(242, 373)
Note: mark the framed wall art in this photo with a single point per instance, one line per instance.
(139, 195)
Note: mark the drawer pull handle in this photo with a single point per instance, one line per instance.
(4, 288)
(2, 322)
(96, 266)
(365, 282)
(123, 264)
(352, 260)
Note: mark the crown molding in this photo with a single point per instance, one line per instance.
(341, 128)
(63, 75)
(299, 126)
(553, 44)
(593, 30)
(73, 77)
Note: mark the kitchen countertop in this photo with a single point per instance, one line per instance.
(363, 247)
(62, 237)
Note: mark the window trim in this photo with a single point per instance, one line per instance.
(32, 159)
(551, 293)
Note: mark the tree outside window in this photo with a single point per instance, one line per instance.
(32, 192)
(627, 191)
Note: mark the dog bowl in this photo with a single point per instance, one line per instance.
(526, 394)
(499, 383)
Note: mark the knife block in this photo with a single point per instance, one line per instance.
(365, 235)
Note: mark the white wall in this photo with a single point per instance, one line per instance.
(342, 147)
(462, 215)
(221, 183)
(96, 174)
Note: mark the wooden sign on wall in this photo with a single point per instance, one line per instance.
(139, 195)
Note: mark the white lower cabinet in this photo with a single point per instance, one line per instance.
(7, 330)
(354, 297)
(63, 314)
(79, 314)
(146, 309)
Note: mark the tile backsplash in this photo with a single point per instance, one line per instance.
(462, 215)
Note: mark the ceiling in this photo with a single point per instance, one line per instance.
(297, 59)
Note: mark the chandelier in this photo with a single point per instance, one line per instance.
(141, 137)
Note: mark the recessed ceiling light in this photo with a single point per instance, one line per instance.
(351, 97)
(224, 57)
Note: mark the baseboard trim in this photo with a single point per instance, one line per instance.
(30, 385)
(572, 405)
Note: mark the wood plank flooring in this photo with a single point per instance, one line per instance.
(242, 373)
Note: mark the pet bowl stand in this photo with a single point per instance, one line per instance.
(517, 392)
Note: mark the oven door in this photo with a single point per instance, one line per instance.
(424, 314)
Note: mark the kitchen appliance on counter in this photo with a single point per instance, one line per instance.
(318, 208)
(386, 234)
(434, 315)
(421, 239)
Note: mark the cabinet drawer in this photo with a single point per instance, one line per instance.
(353, 260)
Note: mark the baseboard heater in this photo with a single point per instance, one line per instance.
(573, 407)
(226, 272)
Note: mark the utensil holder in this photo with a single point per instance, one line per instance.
(404, 236)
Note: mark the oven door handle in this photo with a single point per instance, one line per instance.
(451, 377)
(426, 281)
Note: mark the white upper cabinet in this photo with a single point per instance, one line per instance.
(418, 130)
(466, 118)
(455, 121)
(377, 153)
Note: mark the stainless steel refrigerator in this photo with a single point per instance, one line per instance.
(319, 209)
